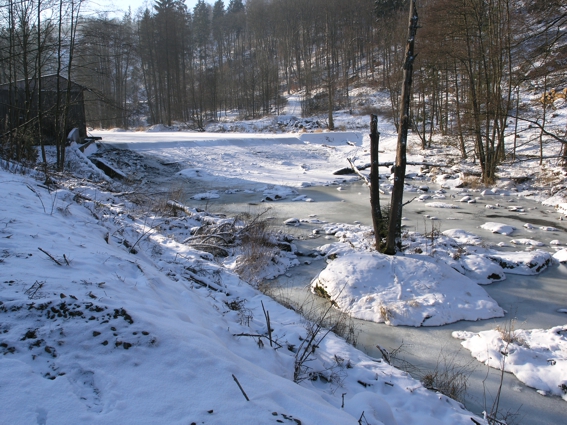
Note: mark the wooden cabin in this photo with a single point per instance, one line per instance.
(19, 103)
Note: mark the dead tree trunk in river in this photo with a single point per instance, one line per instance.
(377, 220)
(393, 240)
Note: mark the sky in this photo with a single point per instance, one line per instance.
(113, 5)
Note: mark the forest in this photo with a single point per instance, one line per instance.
(476, 62)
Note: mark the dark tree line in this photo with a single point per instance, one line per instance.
(168, 63)
(37, 38)
(243, 56)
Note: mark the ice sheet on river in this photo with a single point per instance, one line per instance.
(410, 290)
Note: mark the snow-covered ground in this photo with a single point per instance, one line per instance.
(107, 318)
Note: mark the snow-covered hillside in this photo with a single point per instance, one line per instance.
(91, 332)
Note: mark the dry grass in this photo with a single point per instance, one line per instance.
(508, 333)
(449, 377)
(257, 247)
(385, 313)
(472, 182)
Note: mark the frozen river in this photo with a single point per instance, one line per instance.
(533, 301)
(218, 164)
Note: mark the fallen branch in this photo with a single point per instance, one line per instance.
(362, 176)
(50, 256)
(405, 203)
(213, 286)
(240, 386)
(357, 172)
(212, 249)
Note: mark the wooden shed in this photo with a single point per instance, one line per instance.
(18, 106)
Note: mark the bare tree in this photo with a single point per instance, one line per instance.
(393, 239)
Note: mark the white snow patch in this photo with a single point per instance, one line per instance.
(538, 357)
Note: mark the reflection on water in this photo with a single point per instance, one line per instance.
(532, 300)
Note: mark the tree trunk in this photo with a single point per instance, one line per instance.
(375, 182)
(393, 240)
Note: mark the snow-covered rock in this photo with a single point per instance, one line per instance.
(523, 263)
(549, 229)
(525, 241)
(503, 229)
(481, 269)
(410, 290)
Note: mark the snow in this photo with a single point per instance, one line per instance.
(164, 311)
(441, 205)
(525, 241)
(561, 256)
(290, 158)
(482, 269)
(524, 263)
(463, 237)
(501, 228)
(407, 290)
(538, 357)
(100, 334)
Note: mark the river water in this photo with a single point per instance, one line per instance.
(533, 301)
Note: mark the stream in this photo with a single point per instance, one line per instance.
(533, 301)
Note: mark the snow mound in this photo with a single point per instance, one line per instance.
(403, 290)
(206, 195)
(463, 237)
(537, 357)
(501, 228)
(275, 193)
(525, 241)
(481, 269)
(561, 256)
(523, 263)
(441, 205)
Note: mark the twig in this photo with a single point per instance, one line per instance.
(38, 196)
(66, 260)
(50, 256)
(411, 200)
(32, 290)
(258, 336)
(240, 386)
(267, 316)
(385, 354)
